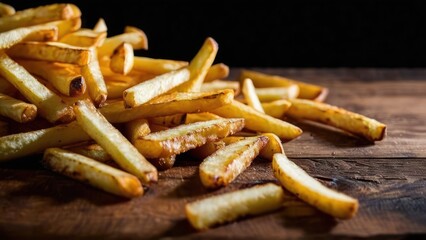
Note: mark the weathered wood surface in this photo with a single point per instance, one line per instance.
(389, 178)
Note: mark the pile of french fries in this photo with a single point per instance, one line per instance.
(83, 99)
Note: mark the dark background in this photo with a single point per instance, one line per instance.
(305, 33)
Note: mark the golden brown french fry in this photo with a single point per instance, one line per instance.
(227, 207)
(84, 38)
(249, 93)
(38, 15)
(100, 26)
(136, 129)
(306, 90)
(95, 81)
(6, 87)
(168, 121)
(117, 83)
(28, 143)
(12, 37)
(122, 59)
(157, 66)
(66, 26)
(221, 84)
(65, 78)
(351, 122)
(163, 163)
(49, 105)
(277, 93)
(147, 90)
(94, 151)
(257, 121)
(217, 71)
(297, 181)
(168, 105)
(6, 10)
(276, 108)
(51, 51)
(224, 165)
(120, 149)
(199, 117)
(16, 109)
(185, 137)
(137, 39)
(89, 171)
(199, 66)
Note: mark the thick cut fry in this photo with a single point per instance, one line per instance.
(120, 149)
(6, 10)
(136, 129)
(249, 93)
(66, 26)
(227, 207)
(38, 15)
(198, 117)
(277, 93)
(157, 66)
(217, 71)
(137, 39)
(221, 84)
(257, 121)
(84, 38)
(122, 59)
(276, 108)
(199, 66)
(185, 137)
(65, 78)
(28, 143)
(95, 81)
(94, 151)
(168, 105)
(89, 171)
(163, 163)
(354, 123)
(223, 166)
(100, 26)
(169, 121)
(297, 181)
(16, 109)
(147, 90)
(49, 105)
(39, 32)
(51, 51)
(306, 90)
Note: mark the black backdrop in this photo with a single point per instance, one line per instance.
(305, 33)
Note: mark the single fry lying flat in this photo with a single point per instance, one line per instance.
(16, 109)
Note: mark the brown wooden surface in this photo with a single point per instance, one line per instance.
(389, 178)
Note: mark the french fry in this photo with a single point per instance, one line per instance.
(94, 151)
(137, 38)
(6, 10)
(107, 136)
(84, 38)
(217, 71)
(38, 32)
(89, 171)
(277, 93)
(66, 26)
(49, 105)
(207, 149)
(276, 108)
(185, 137)
(24, 144)
(117, 83)
(223, 166)
(122, 59)
(168, 105)
(100, 26)
(136, 129)
(95, 81)
(221, 84)
(297, 181)
(38, 15)
(169, 121)
(249, 93)
(257, 121)
(199, 117)
(65, 78)
(163, 163)
(354, 123)
(157, 66)
(51, 51)
(219, 209)
(306, 90)
(16, 109)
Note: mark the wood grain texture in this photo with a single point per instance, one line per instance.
(388, 178)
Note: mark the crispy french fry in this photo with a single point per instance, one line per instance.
(12, 37)
(136, 129)
(28, 143)
(277, 93)
(227, 207)
(6, 87)
(249, 93)
(147, 90)
(100, 26)
(198, 117)
(157, 66)
(223, 166)
(168, 105)
(49, 105)
(95, 81)
(122, 59)
(221, 84)
(89, 171)
(257, 121)
(297, 181)
(38, 15)
(117, 83)
(136, 38)
(94, 151)
(276, 108)
(169, 121)
(306, 90)
(217, 71)
(185, 137)
(120, 149)
(354, 123)
(6, 10)
(84, 38)
(65, 78)
(163, 163)
(16, 109)
(66, 26)
(51, 51)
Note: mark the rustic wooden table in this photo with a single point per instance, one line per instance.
(388, 178)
